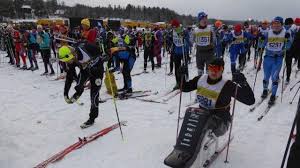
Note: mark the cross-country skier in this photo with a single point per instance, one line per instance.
(124, 55)
(86, 57)
(43, 40)
(177, 49)
(275, 46)
(214, 95)
(288, 58)
(260, 44)
(214, 92)
(295, 52)
(204, 38)
(237, 48)
(148, 48)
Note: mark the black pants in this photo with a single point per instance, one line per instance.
(10, 51)
(126, 75)
(46, 53)
(148, 53)
(288, 63)
(95, 75)
(177, 60)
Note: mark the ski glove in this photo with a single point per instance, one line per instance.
(239, 78)
(287, 35)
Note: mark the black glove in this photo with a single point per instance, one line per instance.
(239, 78)
(287, 35)
(105, 58)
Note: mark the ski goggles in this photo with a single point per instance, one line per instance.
(66, 58)
(215, 68)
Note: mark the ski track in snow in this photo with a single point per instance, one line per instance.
(28, 98)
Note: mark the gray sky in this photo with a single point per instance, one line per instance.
(222, 9)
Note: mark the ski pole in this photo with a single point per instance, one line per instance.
(113, 94)
(259, 63)
(283, 70)
(290, 136)
(294, 86)
(114, 101)
(179, 107)
(233, 109)
(291, 102)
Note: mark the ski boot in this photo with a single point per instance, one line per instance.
(35, 68)
(30, 68)
(24, 67)
(52, 73)
(272, 100)
(44, 74)
(87, 124)
(176, 87)
(171, 73)
(264, 94)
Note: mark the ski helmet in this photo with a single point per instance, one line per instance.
(297, 21)
(218, 24)
(175, 23)
(246, 24)
(288, 21)
(237, 28)
(65, 54)
(278, 19)
(86, 22)
(201, 15)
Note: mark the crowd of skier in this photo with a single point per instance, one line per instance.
(275, 44)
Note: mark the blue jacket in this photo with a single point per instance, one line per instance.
(45, 44)
(239, 47)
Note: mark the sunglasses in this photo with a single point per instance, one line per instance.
(215, 68)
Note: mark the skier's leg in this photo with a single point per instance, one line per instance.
(288, 63)
(275, 74)
(146, 54)
(48, 56)
(171, 62)
(43, 54)
(200, 62)
(267, 65)
(151, 60)
(177, 60)
(233, 57)
(94, 93)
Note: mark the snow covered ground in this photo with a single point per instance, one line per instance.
(36, 123)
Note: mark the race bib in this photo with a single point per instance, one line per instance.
(207, 98)
(203, 38)
(238, 40)
(275, 43)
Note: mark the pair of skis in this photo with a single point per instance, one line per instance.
(217, 153)
(266, 110)
(134, 94)
(80, 143)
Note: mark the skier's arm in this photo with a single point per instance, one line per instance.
(190, 85)
(244, 92)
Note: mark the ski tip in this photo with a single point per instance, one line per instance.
(259, 118)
